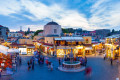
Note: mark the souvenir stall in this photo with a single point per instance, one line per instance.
(5, 60)
(14, 56)
(8, 59)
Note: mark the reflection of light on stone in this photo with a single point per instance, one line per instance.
(60, 52)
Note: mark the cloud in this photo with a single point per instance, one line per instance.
(57, 12)
(105, 14)
(8, 7)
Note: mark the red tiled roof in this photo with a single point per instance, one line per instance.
(93, 32)
(15, 44)
(48, 44)
(94, 42)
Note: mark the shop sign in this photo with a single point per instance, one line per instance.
(14, 64)
(2, 64)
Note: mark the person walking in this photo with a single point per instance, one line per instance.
(88, 72)
(59, 62)
(104, 56)
(33, 66)
(111, 60)
(51, 66)
(43, 59)
(31, 61)
(28, 65)
(85, 60)
(20, 61)
(39, 61)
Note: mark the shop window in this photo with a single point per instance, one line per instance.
(87, 51)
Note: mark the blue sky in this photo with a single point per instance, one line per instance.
(85, 14)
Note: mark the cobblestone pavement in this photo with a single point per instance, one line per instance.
(101, 70)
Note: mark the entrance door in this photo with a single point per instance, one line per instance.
(80, 52)
(29, 51)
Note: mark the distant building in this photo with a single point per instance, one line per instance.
(78, 31)
(15, 34)
(54, 44)
(28, 29)
(102, 32)
(30, 35)
(3, 32)
(112, 47)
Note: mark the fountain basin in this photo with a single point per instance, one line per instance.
(67, 66)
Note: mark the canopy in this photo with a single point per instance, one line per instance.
(38, 44)
(3, 49)
(70, 38)
(12, 50)
(88, 48)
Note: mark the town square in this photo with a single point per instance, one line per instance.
(59, 40)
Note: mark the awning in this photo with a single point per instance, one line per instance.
(30, 47)
(3, 49)
(88, 48)
(13, 50)
(38, 44)
(70, 38)
(44, 45)
(96, 44)
(81, 47)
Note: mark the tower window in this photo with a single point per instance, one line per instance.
(55, 30)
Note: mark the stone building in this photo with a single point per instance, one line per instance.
(3, 32)
(52, 28)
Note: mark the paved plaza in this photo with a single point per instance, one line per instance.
(101, 70)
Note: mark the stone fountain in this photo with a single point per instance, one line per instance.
(71, 66)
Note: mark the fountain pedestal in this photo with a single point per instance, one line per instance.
(71, 66)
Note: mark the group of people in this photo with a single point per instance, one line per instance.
(83, 60)
(40, 60)
(111, 59)
(31, 64)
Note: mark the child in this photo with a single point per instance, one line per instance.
(51, 66)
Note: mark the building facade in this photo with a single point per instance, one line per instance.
(52, 28)
(15, 34)
(3, 32)
(112, 47)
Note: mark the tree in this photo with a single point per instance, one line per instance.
(65, 30)
(36, 33)
(108, 34)
(27, 32)
(113, 31)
